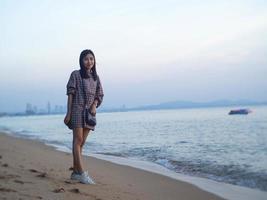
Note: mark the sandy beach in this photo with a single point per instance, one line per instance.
(30, 169)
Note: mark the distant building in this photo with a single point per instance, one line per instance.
(29, 109)
(35, 110)
(59, 109)
(48, 108)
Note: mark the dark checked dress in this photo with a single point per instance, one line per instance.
(93, 90)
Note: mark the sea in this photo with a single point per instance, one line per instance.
(200, 142)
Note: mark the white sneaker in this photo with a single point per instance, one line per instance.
(91, 179)
(86, 179)
(75, 176)
(83, 177)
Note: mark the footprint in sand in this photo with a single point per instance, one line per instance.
(7, 190)
(70, 182)
(21, 182)
(9, 176)
(75, 190)
(5, 165)
(42, 175)
(18, 181)
(33, 170)
(59, 190)
(27, 195)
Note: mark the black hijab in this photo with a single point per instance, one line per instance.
(83, 71)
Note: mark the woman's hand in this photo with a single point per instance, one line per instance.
(67, 118)
(93, 109)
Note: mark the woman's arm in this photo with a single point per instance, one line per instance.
(71, 90)
(69, 107)
(99, 93)
(98, 96)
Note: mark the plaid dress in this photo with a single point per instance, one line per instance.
(93, 91)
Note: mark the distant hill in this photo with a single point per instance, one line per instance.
(188, 104)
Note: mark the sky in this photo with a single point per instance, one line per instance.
(147, 52)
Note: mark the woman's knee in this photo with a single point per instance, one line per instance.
(78, 137)
(85, 134)
(83, 142)
(78, 141)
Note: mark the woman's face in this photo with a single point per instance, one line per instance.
(88, 61)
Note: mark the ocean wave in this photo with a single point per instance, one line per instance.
(234, 174)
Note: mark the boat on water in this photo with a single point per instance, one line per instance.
(244, 111)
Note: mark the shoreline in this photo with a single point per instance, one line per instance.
(32, 170)
(223, 190)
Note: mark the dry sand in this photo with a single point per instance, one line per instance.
(32, 170)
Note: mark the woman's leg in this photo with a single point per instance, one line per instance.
(76, 149)
(85, 134)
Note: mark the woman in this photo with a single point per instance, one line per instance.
(80, 81)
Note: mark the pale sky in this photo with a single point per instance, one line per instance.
(147, 52)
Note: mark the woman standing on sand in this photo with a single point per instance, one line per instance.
(85, 79)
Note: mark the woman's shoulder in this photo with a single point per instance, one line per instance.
(75, 72)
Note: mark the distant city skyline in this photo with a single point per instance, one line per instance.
(48, 109)
(147, 52)
(61, 109)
